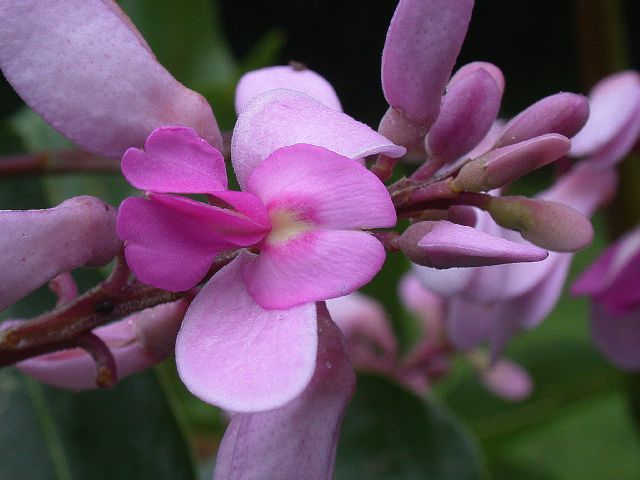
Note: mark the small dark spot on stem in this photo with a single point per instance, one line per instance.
(105, 306)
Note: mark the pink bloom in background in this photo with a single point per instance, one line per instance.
(303, 208)
(613, 283)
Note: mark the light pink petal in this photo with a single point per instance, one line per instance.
(444, 244)
(507, 380)
(137, 342)
(423, 41)
(302, 80)
(468, 110)
(324, 188)
(448, 282)
(236, 355)
(417, 298)
(530, 309)
(312, 266)
(469, 322)
(366, 327)
(620, 146)
(171, 243)
(297, 440)
(584, 188)
(38, 245)
(280, 118)
(614, 102)
(175, 160)
(564, 113)
(82, 66)
(617, 336)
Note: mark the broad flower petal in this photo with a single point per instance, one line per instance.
(175, 160)
(83, 67)
(297, 440)
(330, 190)
(302, 80)
(40, 244)
(233, 353)
(313, 265)
(279, 118)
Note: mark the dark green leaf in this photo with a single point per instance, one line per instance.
(390, 433)
(129, 432)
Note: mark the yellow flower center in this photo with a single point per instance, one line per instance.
(285, 225)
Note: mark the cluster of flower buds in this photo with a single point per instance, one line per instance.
(255, 266)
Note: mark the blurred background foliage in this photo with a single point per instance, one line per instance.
(578, 425)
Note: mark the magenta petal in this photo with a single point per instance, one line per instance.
(617, 336)
(83, 67)
(471, 68)
(302, 80)
(564, 113)
(614, 279)
(169, 247)
(468, 110)
(614, 102)
(423, 41)
(234, 354)
(326, 189)
(279, 118)
(445, 245)
(175, 160)
(314, 265)
(297, 440)
(75, 369)
(38, 245)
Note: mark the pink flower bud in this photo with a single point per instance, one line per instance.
(445, 245)
(563, 113)
(504, 165)
(550, 225)
(468, 110)
(507, 380)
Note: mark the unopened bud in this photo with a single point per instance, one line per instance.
(504, 165)
(550, 225)
(445, 245)
(468, 110)
(563, 113)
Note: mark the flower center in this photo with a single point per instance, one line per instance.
(285, 224)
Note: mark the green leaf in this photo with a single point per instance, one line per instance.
(390, 433)
(129, 432)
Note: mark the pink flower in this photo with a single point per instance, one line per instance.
(613, 283)
(303, 208)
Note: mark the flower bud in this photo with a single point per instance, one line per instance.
(504, 165)
(550, 225)
(563, 113)
(468, 110)
(445, 245)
